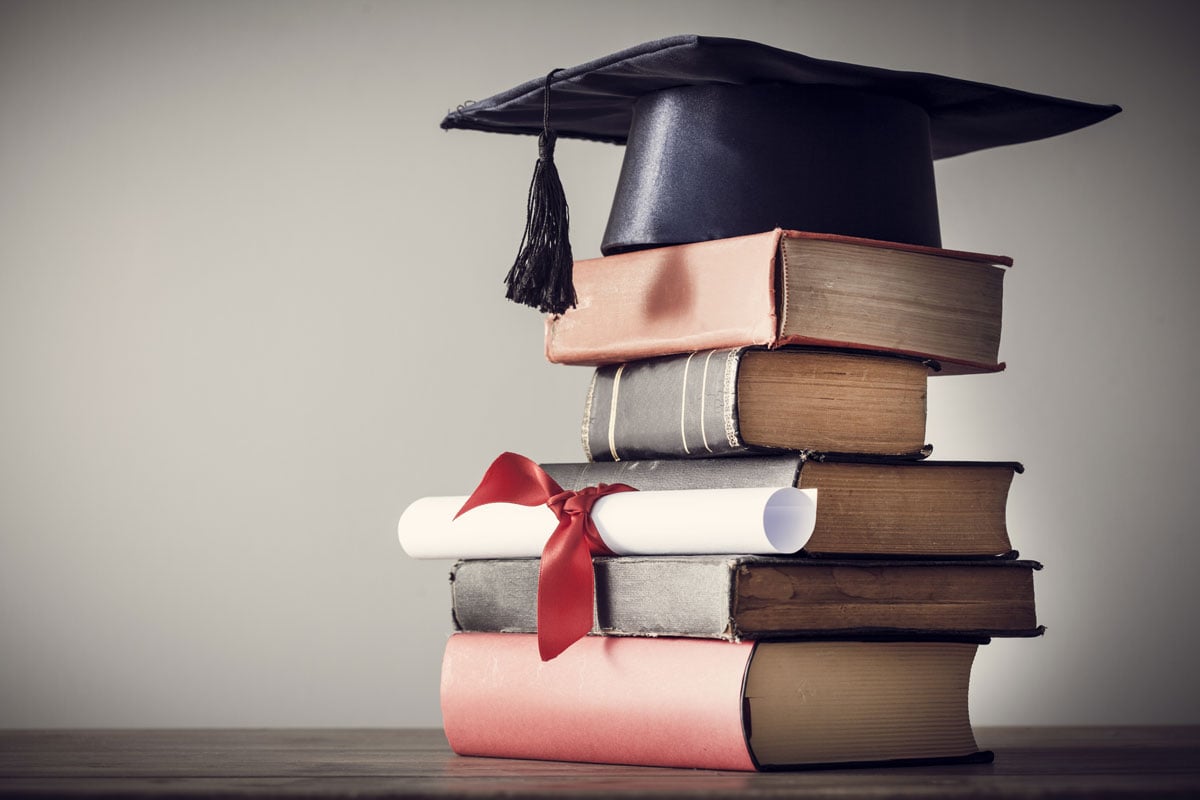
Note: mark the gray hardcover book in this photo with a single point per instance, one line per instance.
(678, 473)
(658, 474)
(735, 597)
(747, 400)
(868, 506)
(683, 405)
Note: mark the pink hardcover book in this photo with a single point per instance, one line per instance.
(785, 288)
(675, 705)
(710, 704)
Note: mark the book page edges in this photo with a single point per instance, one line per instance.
(965, 255)
(948, 366)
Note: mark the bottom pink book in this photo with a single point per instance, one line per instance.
(709, 703)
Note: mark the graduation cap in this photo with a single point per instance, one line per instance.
(726, 137)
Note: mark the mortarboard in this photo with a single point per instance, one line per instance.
(726, 137)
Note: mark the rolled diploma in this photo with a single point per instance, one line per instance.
(674, 522)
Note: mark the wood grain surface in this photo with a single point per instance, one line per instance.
(379, 763)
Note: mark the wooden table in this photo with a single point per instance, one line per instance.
(1030, 762)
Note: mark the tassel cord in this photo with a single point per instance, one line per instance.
(541, 274)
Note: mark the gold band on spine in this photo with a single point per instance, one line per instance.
(612, 414)
(683, 406)
(703, 399)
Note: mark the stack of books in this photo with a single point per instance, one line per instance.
(812, 368)
(783, 579)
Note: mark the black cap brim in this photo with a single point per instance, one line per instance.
(595, 100)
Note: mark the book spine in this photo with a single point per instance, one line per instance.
(654, 702)
(688, 596)
(667, 300)
(684, 406)
(668, 473)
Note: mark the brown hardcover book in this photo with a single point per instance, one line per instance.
(785, 287)
(763, 597)
(734, 402)
(865, 507)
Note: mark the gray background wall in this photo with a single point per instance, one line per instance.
(250, 308)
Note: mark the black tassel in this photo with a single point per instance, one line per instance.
(541, 274)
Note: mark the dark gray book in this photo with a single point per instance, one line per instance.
(744, 400)
(677, 473)
(865, 506)
(763, 597)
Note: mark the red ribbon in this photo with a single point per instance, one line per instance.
(566, 582)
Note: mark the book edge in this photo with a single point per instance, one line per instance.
(943, 252)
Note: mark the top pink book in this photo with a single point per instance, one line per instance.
(785, 288)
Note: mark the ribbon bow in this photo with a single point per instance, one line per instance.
(566, 583)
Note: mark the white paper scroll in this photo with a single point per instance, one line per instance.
(675, 522)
